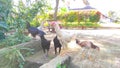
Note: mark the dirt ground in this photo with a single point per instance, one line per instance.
(107, 57)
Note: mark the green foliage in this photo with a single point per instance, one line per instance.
(11, 57)
(89, 24)
(61, 66)
(38, 7)
(81, 24)
(39, 18)
(2, 36)
(13, 40)
(5, 8)
(70, 24)
(70, 17)
(94, 17)
(35, 23)
(23, 14)
(16, 16)
(3, 26)
(63, 10)
(78, 16)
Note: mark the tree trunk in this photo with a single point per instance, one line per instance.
(86, 2)
(56, 9)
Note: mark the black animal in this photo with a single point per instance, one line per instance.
(45, 44)
(57, 44)
(34, 31)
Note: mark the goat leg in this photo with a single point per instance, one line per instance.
(59, 50)
(43, 50)
(55, 50)
(47, 53)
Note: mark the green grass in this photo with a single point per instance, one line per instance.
(61, 66)
(81, 24)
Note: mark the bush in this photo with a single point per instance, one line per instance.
(61, 66)
(70, 17)
(81, 24)
(3, 28)
(13, 40)
(2, 36)
(11, 57)
(78, 16)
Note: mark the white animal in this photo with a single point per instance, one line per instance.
(64, 36)
(41, 26)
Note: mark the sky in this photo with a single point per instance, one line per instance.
(105, 5)
(102, 5)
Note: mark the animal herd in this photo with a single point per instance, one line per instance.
(46, 44)
(63, 39)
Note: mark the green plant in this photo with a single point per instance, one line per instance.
(5, 8)
(81, 24)
(3, 28)
(78, 16)
(61, 65)
(13, 40)
(63, 10)
(21, 15)
(2, 36)
(17, 19)
(11, 57)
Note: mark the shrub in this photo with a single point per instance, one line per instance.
(78, 16)
(70, 17)
(61, 65)
(2, 36)
(13, 40)
(11, 57)
(3, 28)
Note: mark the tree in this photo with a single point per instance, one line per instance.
(86, 2)
(56, 9)
(24, 14)
(11, 57)
(5, 8)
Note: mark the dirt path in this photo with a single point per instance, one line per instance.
(108, 57)
(107, 40)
